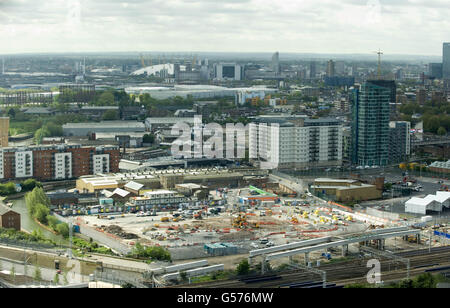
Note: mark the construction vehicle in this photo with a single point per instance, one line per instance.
(349, 218)
(198, 215)
(305, 214)
(254, 225)
(165, 219)
(240, 221)
(294, 220)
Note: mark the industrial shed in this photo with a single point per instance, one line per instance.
(133, 187)
(434, 203)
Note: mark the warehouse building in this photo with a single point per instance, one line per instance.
(153, 124)
(86, 129)
(345, 190)
(440, 167)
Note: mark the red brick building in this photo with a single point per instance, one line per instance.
(53, 162)
(9, 219)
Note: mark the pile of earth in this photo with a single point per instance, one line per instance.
(116, 230)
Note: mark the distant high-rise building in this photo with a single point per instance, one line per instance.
(399, 74)
(312, 70)
(354, 70)
(446, 61)
(228, 71)
(340, 68)
(331, 69)
(421, 96)
(370, 125)
(400, 141)
(276, 63)
(4, 129)
(435, 70)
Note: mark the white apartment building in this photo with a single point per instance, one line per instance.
(295, 143)
(24, 164)
(63, 166)
(100, 163)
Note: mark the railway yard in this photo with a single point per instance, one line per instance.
(338, 274)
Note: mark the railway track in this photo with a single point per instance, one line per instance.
(343, 272)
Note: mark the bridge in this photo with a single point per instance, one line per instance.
(306, 247)
(431, 141)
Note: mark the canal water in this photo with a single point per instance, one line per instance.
(28, 223)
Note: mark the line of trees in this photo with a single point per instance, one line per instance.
(435, 116)
(38, 206)
(10, 187)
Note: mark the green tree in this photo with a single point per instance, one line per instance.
(63, 229)
(30, 184)
(425, 281)
(442, 131)
(12, 113)
(148, 138)
(56, 279)
(41, 212)
(110, 115)
(106, 99)
(40, 134)
(183, 276)
(37, 275)
(54, 130)
(12, 273)
(243, 267)
(52, 222)
(65, 279)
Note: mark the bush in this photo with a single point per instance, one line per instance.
(52, 222)
(63, 229)
(7, 189)
(154, 253)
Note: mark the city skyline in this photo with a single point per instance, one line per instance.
(400, 27)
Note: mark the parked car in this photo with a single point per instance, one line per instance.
(270, 244)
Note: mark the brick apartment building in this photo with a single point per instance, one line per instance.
(57, 162)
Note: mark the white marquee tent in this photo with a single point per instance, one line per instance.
(428, 203)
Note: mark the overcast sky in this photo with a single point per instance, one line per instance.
(416, 27)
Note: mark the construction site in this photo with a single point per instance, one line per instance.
(248, 218)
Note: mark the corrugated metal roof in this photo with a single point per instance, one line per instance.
(134, 186)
